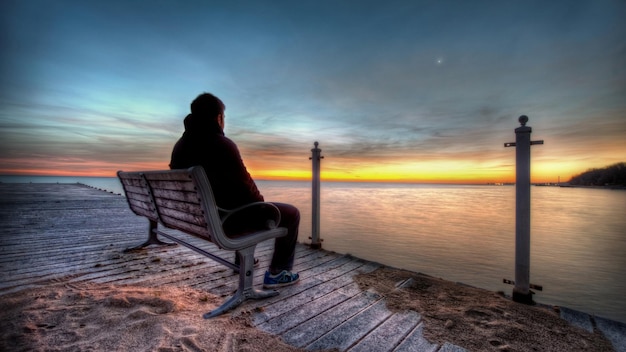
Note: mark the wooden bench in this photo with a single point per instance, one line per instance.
(183, 200)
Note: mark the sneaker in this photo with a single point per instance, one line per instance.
(285, 278)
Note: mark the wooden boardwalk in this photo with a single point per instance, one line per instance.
(73, 233)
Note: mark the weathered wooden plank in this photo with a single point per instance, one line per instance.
(34, 254)
(57, 264)
(415, 342)
(176, 185)
(309, 279)
(264, 251)
(311, 290)
(172, 216)
(143, 209)
(176, 175)
(169, 262)
(191, 228)
(138, 198)
(69, 270)
(205, 278)
(389, 334)
(352, 330)
(296, 312)
(300, 266)
(186, 207)
(317, 272)
(53, 241)
(189, 197)
(132, 180)
(136, 190)
(108, 268)
(309, 331)
(60, 253)
(224, 285)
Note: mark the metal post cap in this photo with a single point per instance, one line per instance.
(523, 119)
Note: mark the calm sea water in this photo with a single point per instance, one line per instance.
(467, 233)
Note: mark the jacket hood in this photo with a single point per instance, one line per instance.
(201, 124)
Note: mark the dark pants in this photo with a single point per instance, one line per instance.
(254, 219)
(285, 247)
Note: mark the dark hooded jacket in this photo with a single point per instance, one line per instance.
(203, 143)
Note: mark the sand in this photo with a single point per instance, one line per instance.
(113, 318)
(96, 317)
(478, 319)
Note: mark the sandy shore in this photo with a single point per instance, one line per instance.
(113, 318)
(477, 319)
(93, 317)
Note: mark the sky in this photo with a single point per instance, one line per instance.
(409, 91)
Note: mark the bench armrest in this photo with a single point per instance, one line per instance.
(271, 223)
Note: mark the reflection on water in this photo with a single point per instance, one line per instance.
(467, 234)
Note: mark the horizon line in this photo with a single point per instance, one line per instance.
(323, 179)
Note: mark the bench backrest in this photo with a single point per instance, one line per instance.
(179, 199)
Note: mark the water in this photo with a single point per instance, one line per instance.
(467, 233)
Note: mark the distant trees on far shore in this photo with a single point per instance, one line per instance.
(614, 175)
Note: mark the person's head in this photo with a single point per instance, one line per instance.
(208, 106)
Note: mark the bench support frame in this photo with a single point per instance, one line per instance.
(152, 238)
(173, 185)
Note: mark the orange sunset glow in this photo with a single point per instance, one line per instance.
(422, 92)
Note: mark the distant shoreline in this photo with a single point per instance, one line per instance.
(563, 185)
(616, 187)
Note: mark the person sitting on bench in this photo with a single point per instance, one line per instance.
(204, 143)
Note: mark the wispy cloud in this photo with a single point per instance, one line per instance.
(404, 87)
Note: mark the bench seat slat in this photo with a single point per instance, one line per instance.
(176, 185)
(177, 216)
(134, 181)
(143, 209)
(189, 228)
(143, 212)
(138, 197)
(136, 190)
(191, 208)
(168, 175)
(189, 197)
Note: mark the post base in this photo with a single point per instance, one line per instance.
(524, 298)
(316, 245)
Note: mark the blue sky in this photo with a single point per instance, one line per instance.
(408, 90)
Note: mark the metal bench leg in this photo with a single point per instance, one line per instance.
(152, 238)
(246, 289)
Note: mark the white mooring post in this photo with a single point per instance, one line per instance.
(316, 242)
(521, 291)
